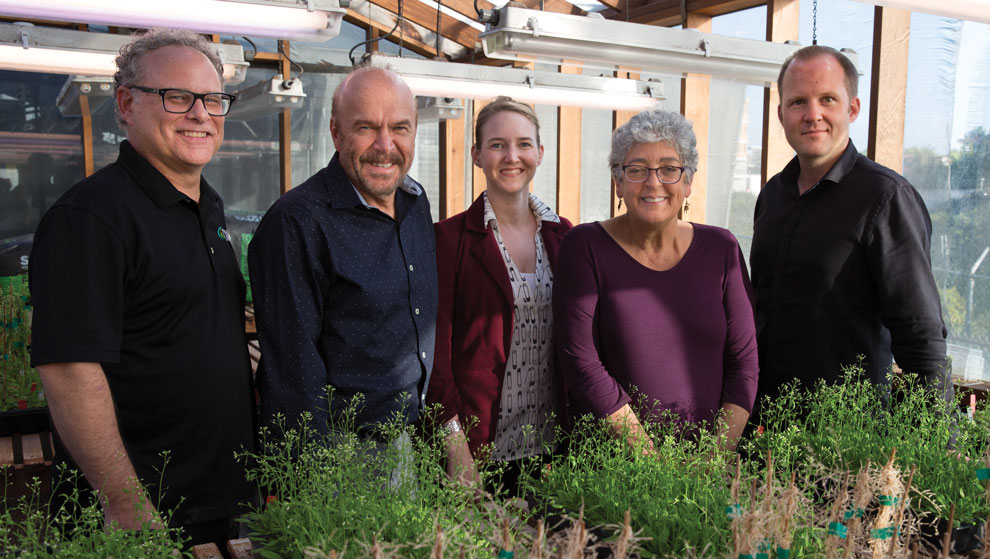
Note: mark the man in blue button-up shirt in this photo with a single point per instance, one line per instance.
(343, 271)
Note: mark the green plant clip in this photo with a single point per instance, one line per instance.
(503, 554)
(884, 533)
(837, 529)
(983, 474)
(745, 556)
(857, 512)
(783, 553)
(733, 511)
(888, 500)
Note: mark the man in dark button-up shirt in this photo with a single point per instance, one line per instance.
(343, 270)
(840, 254)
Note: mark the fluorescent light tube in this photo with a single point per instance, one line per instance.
(206, 16)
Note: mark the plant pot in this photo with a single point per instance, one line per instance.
(965, 538)
(31, 420)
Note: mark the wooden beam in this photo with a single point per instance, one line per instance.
(478, 183)
(558, 6)
(417, 12)
(891, 34)
(782, 25)
(451, 167)
(87, 134)
(569, 155)
(408, 41)
(668, 12)
(694, 106)
(370, 34)
(466, 7)
(617, 5)
(285, 129)
(618, 119)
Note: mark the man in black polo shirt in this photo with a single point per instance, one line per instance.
(840, 254)
(343, 271)
(138, 325)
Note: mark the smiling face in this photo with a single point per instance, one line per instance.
(178, 145)
(816, 110)
(653, 203)
(507, 152)
(374, 131)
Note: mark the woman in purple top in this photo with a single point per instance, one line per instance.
(650, 302)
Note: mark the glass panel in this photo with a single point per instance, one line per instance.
(40, 156)
(947, 158)
(545, 181)
(735, 127)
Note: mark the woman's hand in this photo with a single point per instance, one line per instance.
(460, 464)
(625, 424)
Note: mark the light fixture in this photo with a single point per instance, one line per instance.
(97, 89)
(431, 78)
(27, 48)
(438, 108)
(531, 35)
(971, 10)
(305, 20)
(267, 97)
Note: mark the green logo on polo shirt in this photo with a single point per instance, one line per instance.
(222, 233)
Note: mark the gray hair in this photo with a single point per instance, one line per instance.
(131, 54)
(649, 127)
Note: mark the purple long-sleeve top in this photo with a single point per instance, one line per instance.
(684, 337)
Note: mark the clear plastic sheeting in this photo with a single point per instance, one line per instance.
(947, 158)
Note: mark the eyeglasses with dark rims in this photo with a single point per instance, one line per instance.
(667, 174)
(180, 101)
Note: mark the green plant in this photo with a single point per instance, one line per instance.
(677, 495)
(839, 427)
(20, 385)
(349, 492)
(75, 530)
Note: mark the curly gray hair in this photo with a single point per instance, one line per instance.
(129, 61)
(650, 127)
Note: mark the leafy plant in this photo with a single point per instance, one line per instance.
(839, 427)
(677, 496)
(20, 385)
(75, 530)
(348, 491)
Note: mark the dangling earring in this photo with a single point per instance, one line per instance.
(687, 205)
(619, 207)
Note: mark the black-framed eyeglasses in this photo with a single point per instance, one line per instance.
(180, 101)
(668, 174)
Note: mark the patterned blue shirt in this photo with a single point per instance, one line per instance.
(345, 297)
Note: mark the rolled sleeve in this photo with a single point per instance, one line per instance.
(899, 249)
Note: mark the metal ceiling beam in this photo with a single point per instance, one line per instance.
(529, 35)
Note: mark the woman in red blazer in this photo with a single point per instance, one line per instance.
(494, 370)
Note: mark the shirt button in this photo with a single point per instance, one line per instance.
(423, 354)
(416, 311)
(410, 267)
(211, 250)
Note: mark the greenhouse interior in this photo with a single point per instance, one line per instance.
(745, 360)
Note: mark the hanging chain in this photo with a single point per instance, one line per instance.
(401, 30)
(814, 22)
